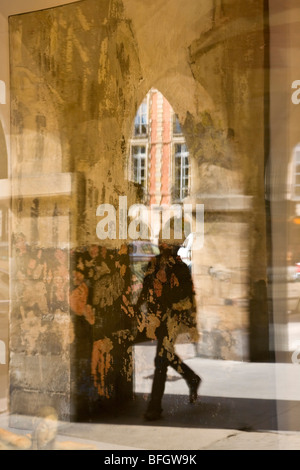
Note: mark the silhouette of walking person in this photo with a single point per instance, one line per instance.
(169, 295)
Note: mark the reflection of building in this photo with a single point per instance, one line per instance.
(74, 98)
(159, 158)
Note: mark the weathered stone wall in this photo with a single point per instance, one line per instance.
(41, 330)
(71, 328)
(228, 61)
(63, 109)
(78, 75)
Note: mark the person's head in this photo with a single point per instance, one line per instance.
(171, 237)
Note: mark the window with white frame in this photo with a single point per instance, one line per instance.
(139, 164)
(181, 171)
(141, 120)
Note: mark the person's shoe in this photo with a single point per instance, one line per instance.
(152, 415)
(194, 385)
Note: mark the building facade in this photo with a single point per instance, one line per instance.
(159, 158)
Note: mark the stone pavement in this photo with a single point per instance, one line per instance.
(112, 437)
(243, 406)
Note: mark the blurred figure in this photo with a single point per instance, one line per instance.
(45, 430)
(169, 295)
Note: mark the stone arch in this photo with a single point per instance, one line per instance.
(217, 175)
(158, 159)
(202, 119)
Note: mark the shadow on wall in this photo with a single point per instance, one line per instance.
(85, 299)
(99, 329)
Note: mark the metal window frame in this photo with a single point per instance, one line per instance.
(139, 115)
(181, 155)
(140, 156)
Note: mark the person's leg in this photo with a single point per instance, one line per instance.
(192, 379)
(159, 380)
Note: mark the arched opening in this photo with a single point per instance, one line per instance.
(159, 161)
(159, 164)
(189, 161)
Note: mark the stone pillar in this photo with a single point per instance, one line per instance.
(41, 329)
(70, 307)
(230, 168)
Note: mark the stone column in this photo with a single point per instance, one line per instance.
(71, 89)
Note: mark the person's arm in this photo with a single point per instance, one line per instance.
(146, 284)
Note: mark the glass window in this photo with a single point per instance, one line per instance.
(176, 125)
(139, 164)
(182, 171)
(141, 120)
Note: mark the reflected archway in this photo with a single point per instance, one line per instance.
(158, 159)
